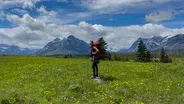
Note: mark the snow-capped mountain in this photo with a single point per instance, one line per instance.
(69, 45)
(15, 50)
(171, 44)
(133, 48)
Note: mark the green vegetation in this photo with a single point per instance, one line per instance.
(164, 57)
(143, 54)
(103, 48)
(122, 57)
(47, 80)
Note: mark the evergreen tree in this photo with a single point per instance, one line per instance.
(103, 50)
(140, 55)
(115, 57)
(148, 56)
(127, 59)
(70, 55)
(109, 56)
(162, 55)
(65, 56)
(143, 54)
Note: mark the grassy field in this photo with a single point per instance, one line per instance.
(49, 80)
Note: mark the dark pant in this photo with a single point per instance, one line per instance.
(95, 68)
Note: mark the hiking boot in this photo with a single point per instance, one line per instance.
(97, 77)
(93, 77)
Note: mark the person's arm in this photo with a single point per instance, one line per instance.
(96, 50)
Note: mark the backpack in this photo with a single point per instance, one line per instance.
(98, 46)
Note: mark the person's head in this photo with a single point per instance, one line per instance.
(91, 43)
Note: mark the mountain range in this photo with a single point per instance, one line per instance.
(173, 44)
(73, 45)
(69, 45)
(15, 50)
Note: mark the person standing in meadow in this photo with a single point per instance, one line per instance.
(94, 56)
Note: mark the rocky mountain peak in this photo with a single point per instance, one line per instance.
(71, 37)
(69, 45)
(57, 39)
(172, 44)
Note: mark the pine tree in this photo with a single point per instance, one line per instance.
(143, 54)
(103, 50)
(141, 51)
(127, 59)
(116, 57)
(70, 55)
(109, 56)
(65, 56)
(148, 56)
(162, 55)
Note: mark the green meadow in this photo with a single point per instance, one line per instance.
(48, 80)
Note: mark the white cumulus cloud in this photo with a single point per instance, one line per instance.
(163, 15)
(2, 15)
(160, 16)
(33, 33)
(110, 6)
(4, 4)
(26, 21)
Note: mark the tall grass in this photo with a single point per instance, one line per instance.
(66, 81)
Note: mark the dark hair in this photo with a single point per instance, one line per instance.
(92, 43)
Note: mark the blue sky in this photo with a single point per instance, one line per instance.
(33, 23)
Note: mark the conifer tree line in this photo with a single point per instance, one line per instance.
(144, 55)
